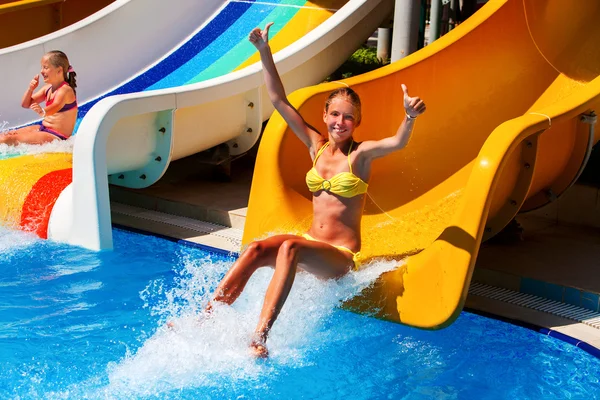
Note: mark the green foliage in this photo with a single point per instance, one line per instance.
(363, 60)
(366, 55)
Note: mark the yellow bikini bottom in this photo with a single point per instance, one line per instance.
(355, 256)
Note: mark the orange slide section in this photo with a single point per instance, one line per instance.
(503, 133)
(25, 20)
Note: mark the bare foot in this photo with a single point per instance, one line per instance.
(258, 348)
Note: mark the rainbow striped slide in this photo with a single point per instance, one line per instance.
(221, 46)
(31, 184)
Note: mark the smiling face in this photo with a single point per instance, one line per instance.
(341, 118)
(51, 74)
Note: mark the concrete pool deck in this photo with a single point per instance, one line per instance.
(555, 259)
(193, 201)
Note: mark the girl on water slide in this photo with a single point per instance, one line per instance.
(338, 180)
(58, 92)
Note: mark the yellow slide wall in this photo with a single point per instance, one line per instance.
(504, 93)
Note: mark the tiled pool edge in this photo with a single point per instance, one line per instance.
(532, 302)
(184, 242)
(191, 232)
(564, 294)
(551, 291)
(588, 348)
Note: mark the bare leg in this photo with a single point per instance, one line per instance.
(258, 254)
(317, 258)
(29, 134)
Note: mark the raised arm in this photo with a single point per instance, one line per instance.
(413, 107)
(260, 39)
(29, 97)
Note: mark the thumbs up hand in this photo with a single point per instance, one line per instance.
(260, 38)
(413, 106)
(34, 82)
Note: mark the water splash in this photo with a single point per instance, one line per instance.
(11, 242)
(56, 146)
(4, 127)
(206, 352)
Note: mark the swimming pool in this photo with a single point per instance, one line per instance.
(81, 324)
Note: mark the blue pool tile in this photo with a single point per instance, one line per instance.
(589, 301)
(564, 338)
(532, 286)
(572, 296)
(554, 292)
(589, 348)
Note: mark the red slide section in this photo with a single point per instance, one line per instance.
(40, 201)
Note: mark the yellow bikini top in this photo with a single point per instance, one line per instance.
(344, 184)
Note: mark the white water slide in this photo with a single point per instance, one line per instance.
(143, 106)
(107, 48)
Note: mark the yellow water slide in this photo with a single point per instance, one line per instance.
(23, 20)
(504, 132)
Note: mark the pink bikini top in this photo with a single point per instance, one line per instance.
(66, 107)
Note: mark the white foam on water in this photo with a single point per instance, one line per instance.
(207, 351)
(56, 146)
(12, 241)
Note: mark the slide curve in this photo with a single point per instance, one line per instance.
(510, 96)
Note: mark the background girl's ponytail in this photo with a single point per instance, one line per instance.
(71, 78)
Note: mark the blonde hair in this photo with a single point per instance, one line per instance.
(347, 94)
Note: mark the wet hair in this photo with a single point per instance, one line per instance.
(347, 94)
(59, 59)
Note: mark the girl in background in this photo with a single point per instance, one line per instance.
(58, 94)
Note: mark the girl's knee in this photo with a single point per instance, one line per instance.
(290, 247)
(256, 250)
(9, 139)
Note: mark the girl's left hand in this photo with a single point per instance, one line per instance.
(34, 82)
(413, 106)
(37, 108)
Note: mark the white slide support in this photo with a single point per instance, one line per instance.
(134, 137)
(101, 46)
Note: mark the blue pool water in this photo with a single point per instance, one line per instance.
(80, 324)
